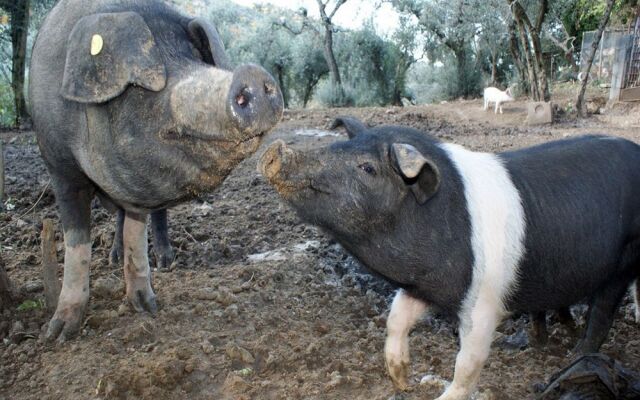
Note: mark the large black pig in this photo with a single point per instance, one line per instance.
(476, 234)
(135, 103)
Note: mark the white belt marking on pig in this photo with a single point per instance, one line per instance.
(405, 312)
(497, 240)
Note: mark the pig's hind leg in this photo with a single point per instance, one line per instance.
(602, 309)
(162, 250)
(137, 273)
(405, 312)
(635, 288)
(74, 207)
(116, 256)
(539, 333)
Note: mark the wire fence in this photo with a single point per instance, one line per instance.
(632, 78)
(604, 59)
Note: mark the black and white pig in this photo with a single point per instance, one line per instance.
(137, 104)
(478, 235)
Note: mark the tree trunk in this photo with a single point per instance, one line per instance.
(307, 96)
(531, 71)
(1, 176)
(280, 73)
(517, 57)
(308, 91)
(543, 82)
(19, 33)
(494, 68)
(460, 72)
(532, 48)
(336, 81)
(399, 82)
(6, 289)
(580, 105)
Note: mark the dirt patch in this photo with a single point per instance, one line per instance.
(259, 305)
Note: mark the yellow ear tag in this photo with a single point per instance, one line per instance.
(96, 45)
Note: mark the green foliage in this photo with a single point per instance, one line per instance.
(307, 69)
(29, 305)
(432, 83)
(458, 34)
(330, 96)
(7, 108)
(369, 67)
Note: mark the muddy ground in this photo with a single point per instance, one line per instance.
(258, 305)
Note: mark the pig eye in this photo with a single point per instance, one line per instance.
(368, 168)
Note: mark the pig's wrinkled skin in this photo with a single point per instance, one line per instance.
(478, 235)
(137, 104)
(497, 96)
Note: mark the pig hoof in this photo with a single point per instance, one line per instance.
(64, 327)
(164, 258)
(142, 302)
(583, 347)
(398, 372)
(116, 256)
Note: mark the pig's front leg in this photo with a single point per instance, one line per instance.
(405, 312)
(137, 273)
(476, 334)
(74, 209)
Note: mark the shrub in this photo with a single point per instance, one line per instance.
(7, 110)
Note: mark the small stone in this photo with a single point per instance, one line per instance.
(435, 381)
(108, 288)
(231, 312)
(99, 319)
(206, 294)
(237, 353)
(225, 296)
(336, 380)
(235, 383)
(31, 259)
(321, 327)
(207, 348)
(122, 309)
(33, 287)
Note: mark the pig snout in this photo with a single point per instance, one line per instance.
(277, 156)
(278, 164)
(255, 100)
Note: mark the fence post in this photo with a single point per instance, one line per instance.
(49, 265)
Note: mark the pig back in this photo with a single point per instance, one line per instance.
(580, 198)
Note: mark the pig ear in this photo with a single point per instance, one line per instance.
(418, 172)
(106, 53)
(207, 40)
(352, 125)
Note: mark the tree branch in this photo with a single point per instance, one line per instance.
(568, 49)
(338, 5)
(305, 26)
(544, 7)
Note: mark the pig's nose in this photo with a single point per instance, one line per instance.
(256, 100)
(274, 159)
